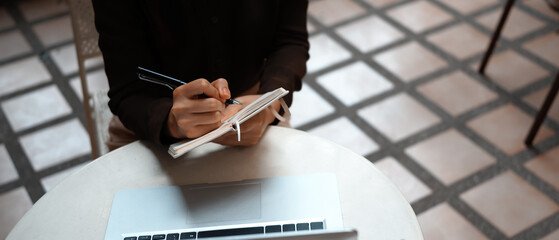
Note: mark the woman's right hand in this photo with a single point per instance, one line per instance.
(197, 108)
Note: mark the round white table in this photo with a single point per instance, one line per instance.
(78, 207)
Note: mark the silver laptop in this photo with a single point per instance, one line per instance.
(294, 207)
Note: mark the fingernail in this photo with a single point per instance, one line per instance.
(225, 92)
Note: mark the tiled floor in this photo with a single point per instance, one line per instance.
(398, 77)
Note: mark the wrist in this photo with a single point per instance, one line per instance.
(170, 128)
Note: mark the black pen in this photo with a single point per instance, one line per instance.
(172, 83)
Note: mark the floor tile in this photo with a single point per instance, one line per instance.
(325, 52)
(96, 81)
(542, 7)
(381, 3)
(54, 31)
(457, 93)
(536, 100)
(343, 77)
(8, 171)
(331, 12)
(347, 135)
(506, 127)
(51, 181)
(546, 166)
(308, 106)
(546, 47)
(56, 144)
(67, 61)
(469, 6)
(13, 205)
(509, 203)
(410, 61)
(13, 43)
(461, 41)
(419, 16)
(450, 156)
(369, 33)
(398, 117)
(552, 236)
(6, 19)
(518, 24)
(34, 108)
(31, 69)
(442, 222)
(512, 71)
(38, 9)
(410, 186)
(354, 83)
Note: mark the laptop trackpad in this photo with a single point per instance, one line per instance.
(223, 203)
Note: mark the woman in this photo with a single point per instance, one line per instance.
(222, 48)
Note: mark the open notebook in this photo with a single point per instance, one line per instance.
(233, 123)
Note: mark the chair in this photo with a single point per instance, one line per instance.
(97, 113)
(542, 113)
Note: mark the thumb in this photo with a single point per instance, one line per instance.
(223, 87)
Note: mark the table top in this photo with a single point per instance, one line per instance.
(370, 202)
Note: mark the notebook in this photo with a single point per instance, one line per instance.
(293, 207)
(233, 123)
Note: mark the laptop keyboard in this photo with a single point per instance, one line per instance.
(273, 227)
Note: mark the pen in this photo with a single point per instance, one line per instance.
(171, 83)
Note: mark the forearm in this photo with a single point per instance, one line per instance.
(123, 41)
(146, 117)
(286, 62)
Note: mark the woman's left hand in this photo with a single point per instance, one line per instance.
(251, 130)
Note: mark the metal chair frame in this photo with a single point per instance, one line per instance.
(542, 113)
(86, 42)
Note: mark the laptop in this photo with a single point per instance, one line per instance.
(294, 207)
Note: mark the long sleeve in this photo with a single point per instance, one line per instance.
(286, 63)
(125, 45)
(244, 41)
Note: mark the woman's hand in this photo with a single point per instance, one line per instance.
(198, 107)
(251, 130)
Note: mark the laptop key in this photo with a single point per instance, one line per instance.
(230, 232)
(130, 238)
(188, 235)
(172, 236)
(317, 225)
(273, 228)
(288, 227)
(302, 226)
(144, 238)
(158, 237)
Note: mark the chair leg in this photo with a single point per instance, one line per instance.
(543, 111)
(87, 107)
(496, 35)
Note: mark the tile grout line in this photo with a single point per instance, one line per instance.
(440, 192)
(329, 31)
(28, 176)
(21, 162)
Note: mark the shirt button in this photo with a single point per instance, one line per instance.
(215, 20)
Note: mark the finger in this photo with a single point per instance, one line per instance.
(201, 106)
(200, 119)
(200, 130)
(196, 88)
(191, 120)
(223, 87)
(231, 110)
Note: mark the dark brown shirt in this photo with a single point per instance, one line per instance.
(243, 41)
